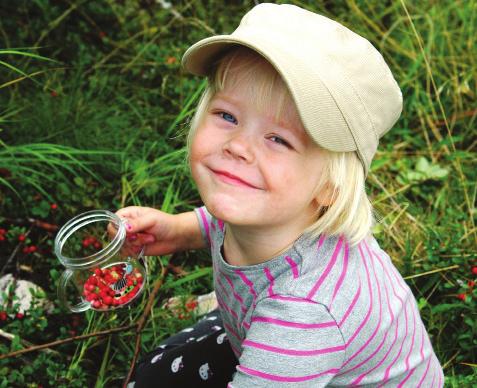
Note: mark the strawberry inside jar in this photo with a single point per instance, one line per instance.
(113, 286)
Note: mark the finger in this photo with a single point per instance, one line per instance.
(139, 224)
(146, 238)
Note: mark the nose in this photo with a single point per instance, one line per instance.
(239, 146)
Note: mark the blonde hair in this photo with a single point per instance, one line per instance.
(349, 212)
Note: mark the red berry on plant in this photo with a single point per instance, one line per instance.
(20, 315)
(98, 272)
(32, 249)
(3, 316)
(21, 237)
(474, 270)
(54, 206)
(471, 283)
(462, 297)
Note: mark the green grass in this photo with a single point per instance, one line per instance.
(94, 115)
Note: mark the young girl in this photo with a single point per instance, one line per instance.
(279, 148)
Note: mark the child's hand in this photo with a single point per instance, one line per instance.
(161, 233)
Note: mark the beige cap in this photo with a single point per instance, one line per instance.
(345, 93)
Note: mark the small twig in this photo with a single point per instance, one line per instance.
(142, 321)
(431, 272)
(10, 337)
(67, 340)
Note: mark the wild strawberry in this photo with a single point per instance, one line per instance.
(108, 300)
(54, 93)
(474, 270)
(191, 305)
(471, 283)
(21, 237)
(2, 237)
(97, 304)
(53, 206)
(462, 297)
(32, 249)
(98, 272)
(97, 245)
(3, 316)
(3, 231)
(19, 315)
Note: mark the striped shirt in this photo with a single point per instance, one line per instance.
(321, 314)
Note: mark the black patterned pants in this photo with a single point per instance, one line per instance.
(198, 356)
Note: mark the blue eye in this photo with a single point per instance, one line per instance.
(228, 117)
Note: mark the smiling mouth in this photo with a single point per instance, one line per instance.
(231, 179)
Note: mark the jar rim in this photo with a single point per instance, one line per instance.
(81, 220)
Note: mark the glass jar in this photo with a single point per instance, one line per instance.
(98, 274)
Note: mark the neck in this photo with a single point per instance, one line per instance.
(249, 246)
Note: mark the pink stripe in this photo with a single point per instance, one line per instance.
(433, 379)
(292, 352)
(440, 377)
(236, 296)
(250, 286)
(271, 280)
(205, 223)
(368, 314)
(327, 270)
(421, 350)
(212, 225)
(293, 266)
(292, 299)
(363, 375)
(247, 282)
(399, 280)
(406, 378)
(380, 314)
(221, 225)
(413, 336)
(343, 272)
(291, 379)
(350, 308)
(280, 322)
(226, 307)
(397, 322)
(382, 342)
(321, 240)
(388, 369)
(232, 331)
(425, 373)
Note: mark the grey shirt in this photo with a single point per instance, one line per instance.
(323, 313)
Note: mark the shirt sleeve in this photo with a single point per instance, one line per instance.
(291, 342)
(205, 223)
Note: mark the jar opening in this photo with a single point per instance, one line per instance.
(84, 240)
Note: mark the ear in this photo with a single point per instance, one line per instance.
(325, 197)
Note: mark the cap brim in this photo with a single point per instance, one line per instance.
(200, 56)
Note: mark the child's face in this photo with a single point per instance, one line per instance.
(252, 170)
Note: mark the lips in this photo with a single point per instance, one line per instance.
(232, 179)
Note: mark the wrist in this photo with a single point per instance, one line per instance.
(189, 235)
